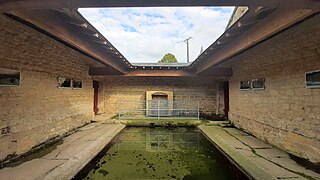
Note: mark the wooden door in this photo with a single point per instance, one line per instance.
(96, 97)
(226, 98)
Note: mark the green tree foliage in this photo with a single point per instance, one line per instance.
(168, 58)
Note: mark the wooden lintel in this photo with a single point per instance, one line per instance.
(217, 72)
(163, 73)
(103, 71)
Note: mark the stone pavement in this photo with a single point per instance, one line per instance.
(69, 157)
(104, 118)
(258, 159)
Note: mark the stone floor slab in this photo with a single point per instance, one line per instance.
(292, 165)
(69, 157)
(78, 135)
(54, 153)
(253, 142)
(90, 126)
(271, 153)
(217, 135)
(247, 152)
(224, 136)
(68, 151)
(96, 134)
(235, 131)
(275, 170)
(71, 167)
(263, 163)
(30, 170)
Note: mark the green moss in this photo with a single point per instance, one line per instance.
(213, 117)
(181, 154)
(162, 122)
(37, 151)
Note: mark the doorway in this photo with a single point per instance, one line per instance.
(95, 97)
(159, 101)
(226, 98)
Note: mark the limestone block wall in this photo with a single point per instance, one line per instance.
(37, 110)
(286, 113)
(187, 89)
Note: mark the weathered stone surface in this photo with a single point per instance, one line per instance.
(286, 113)
(292, 165)
(271, 153)
(274, 170)
(90, 126)
(80, 159)
(30, 170)
(219, 137)
(37, 110)
(68, 158)
(253, 142)
(235, 131)
(247, 152)
(68, 151)
(187, 90)
(258, 163)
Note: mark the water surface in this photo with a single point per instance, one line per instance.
(160, 153)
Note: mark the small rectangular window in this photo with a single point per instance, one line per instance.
(245, 85)
(77, 84)
(9, 77)
(64, 82)
(313, 79)
(258, 84)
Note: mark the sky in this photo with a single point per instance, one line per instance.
(145, 35)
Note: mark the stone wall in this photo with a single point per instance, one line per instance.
(37, 110)
(286, 113)
(187, 89)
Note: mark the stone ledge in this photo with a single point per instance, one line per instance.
(256, 158)
(68, 158)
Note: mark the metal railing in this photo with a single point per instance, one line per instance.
(158, 109)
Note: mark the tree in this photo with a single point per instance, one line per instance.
(168, 58)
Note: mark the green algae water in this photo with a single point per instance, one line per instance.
(159, 153)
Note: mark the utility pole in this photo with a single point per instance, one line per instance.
(187, 41)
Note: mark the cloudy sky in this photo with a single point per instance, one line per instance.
(147, 34)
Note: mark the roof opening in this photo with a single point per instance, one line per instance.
(145, 35)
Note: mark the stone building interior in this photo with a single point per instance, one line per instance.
(66, 92)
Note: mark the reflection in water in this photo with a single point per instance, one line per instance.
(158, 141)
(160, 153)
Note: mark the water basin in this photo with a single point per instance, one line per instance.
(160, 153)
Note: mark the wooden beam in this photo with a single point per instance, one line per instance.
(213, 72)
(103, 71)
(6, 5)
(160, 73)
(109, 71)
(280, 19)
(218, 72)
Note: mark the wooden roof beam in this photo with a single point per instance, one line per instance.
(109, 71)
(6, 5)
(103, 71)
(219, 72)
(159, 73)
